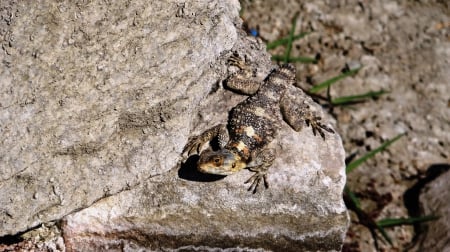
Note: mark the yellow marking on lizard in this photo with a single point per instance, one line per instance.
(241, 146)
(249, 131)
(261, 112)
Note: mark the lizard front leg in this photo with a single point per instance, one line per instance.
(196, 143)
(244, 80)
(260, 165)
(296, 114)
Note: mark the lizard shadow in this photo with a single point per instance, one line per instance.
(188, 171)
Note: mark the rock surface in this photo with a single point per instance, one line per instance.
(97, 103)
(435, 200)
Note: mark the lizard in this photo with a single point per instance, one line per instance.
(253, 124)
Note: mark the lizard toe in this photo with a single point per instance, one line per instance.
(255, 180)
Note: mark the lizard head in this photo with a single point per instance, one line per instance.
(221, 162)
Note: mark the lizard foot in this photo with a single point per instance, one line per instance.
(237, 61)
(317, 126)
(256, 180)
(193, 146)
(298, 114)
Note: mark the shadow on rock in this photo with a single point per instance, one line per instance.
(188, 171)
(412, 201)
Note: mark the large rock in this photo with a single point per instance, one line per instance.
(98, 101)
(435, 201)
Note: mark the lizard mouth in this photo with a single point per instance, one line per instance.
(222, 162)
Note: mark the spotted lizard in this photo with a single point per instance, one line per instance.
(253, 124)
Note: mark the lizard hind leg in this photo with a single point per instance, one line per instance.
(260, 165)
(296, 114)
(244, 80)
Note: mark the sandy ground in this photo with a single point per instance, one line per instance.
(404, 48)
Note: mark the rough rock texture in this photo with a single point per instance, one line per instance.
(435, 200)
(97, 102)
(97, 97)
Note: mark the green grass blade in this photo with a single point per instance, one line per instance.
(350, 167)
(384, 234)
(290, 38)
(294, 59)
(388, 222)
(241, 11)
(303, 60)
(353, 204)
(351, 195)
(284, 41)
(357, 98)
(333, 80)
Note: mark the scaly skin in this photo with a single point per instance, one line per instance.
(253, 124)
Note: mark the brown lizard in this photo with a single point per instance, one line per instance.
(253, 124)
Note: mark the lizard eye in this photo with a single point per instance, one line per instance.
(233, 165)
(217, 161)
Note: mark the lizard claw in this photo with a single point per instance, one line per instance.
(192, 146)
(195, 144)
(237, 61)
(317, 126)
(256, 180)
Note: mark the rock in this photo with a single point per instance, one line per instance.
(435, 201)
(97, 98)
(98, 101)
